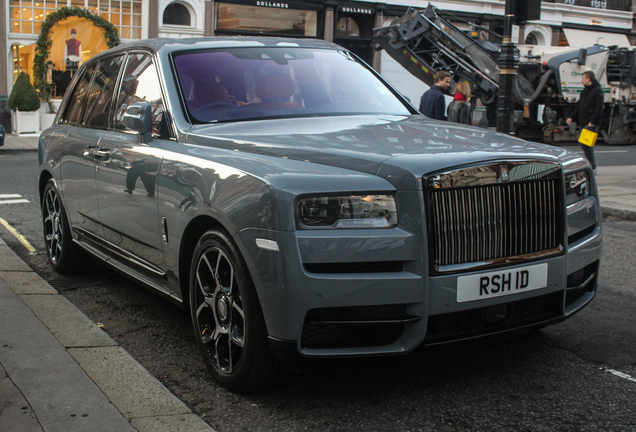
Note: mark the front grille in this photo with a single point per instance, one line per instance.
(580, 283)
(330, 336)
(581, 234)
(351, 327)
(355, 267)
(470, 323)
(485, 223)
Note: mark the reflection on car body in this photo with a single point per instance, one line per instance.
(290, 199)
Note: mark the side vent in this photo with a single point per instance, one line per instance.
(164, 229)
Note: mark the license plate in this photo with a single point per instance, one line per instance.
(501, 283)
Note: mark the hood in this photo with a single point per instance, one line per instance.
(367, 143)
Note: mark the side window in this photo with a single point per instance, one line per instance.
(101, 93)
(140, 84)
(76, 101)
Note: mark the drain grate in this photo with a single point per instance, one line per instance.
(69, 284)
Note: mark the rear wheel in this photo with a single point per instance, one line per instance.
(227, 318)
(64, 255)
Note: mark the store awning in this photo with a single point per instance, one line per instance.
(585, 38)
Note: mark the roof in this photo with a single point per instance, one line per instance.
(177, 44)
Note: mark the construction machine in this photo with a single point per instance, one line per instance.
(548, 81)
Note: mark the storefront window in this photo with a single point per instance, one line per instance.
(347, 27)
(26, 16)
(22, 60)
(266, 20)
(73, 41)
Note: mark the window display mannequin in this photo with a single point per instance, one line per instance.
(55, 78)
(49, 71)
(72, 53)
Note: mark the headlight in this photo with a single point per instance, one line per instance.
(356, 211)
(577, 187)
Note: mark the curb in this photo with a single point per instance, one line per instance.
(618, 214)
(101, 369)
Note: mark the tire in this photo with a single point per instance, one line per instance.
(64, 255)
(227, 319)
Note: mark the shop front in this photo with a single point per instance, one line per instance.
(349, 24)
(354, 27)
(73, 39)
(269, 18)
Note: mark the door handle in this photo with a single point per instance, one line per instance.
(87, 150)
(96, 152)
(100, 153)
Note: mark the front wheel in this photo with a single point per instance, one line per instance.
(64, 255)
(227, 318)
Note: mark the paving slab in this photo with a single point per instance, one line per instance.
(64, 398)
(67, 323)
(23, 142)
(173, 423)
(9, 261)
(608, 191)
(27, 283)
(15, 412)
(131, 388)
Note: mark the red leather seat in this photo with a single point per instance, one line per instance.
(274, 92)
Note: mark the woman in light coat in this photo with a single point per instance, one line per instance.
(459, 110)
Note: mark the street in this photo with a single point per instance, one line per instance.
(579, 375)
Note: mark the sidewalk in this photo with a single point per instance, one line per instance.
(60, 372)
(25, 142)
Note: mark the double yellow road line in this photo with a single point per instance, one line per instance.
(22, 239)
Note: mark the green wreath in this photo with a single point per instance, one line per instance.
(43, 46)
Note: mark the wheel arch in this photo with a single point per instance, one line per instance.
(191, 235)
(45, 176)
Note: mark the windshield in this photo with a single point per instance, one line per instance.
(242, 83)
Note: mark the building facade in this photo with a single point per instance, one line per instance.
(348, 23)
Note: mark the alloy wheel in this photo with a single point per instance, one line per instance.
(220, 317)
(53, 225)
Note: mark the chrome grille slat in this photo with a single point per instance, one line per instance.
(491, 222)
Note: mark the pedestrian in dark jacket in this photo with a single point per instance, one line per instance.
(433, 104)
(589, 110)
(459, 109)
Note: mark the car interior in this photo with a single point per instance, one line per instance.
(272, 82)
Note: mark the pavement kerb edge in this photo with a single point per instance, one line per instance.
(163, 412)
(619, 214)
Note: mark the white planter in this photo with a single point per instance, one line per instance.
(46, 120)
(46, 116)
(26, 122)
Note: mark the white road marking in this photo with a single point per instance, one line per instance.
(15, 201)
(603, 151)
(10, 199)
(621, 375)
(611, 151)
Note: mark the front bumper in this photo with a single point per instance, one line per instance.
(334, 293)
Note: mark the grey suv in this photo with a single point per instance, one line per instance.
(298, 206)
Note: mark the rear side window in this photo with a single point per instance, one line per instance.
(140, 84)
(78, 98)
(100, 96)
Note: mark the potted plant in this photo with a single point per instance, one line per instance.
(24, 101)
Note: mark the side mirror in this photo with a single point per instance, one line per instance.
(138, 118)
